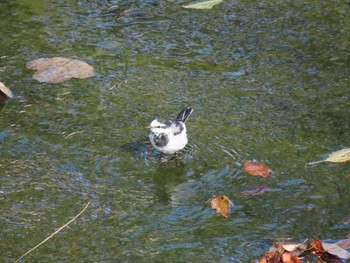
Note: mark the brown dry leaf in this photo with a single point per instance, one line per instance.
(5, 92)
(344, 243)
(271, 257)
(336, 157)
(336, 250)
(58, 69)
(289, 258)
(257, 169)
(295, 248)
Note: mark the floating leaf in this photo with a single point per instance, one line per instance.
(344, 243)
(313, 251)
(295, 248)
(257, 169)
(203, 5)
(289, 258)
(317, 247)
(336, 250)
(327, 251)
(271, 257)
(5, 92)
(221, 204)
(58, 69)
(336, 157)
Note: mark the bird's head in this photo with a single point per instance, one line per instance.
(157, 126)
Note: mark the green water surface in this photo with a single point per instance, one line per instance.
(268, 81)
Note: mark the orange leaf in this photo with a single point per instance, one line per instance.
(221, 204)
(257, 169)
(289, 258)
(317, 247)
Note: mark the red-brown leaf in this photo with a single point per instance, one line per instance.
(257, 169)
(271, 257)
(317, 247)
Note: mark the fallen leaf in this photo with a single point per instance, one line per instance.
(5, 92)
(203, 5)
(296, 249)
(289, 258)
(308, 251)
(344, 243)
(257, 191)
(336, 250)
(316, 246)
(336, 157)
(257, 169)
(58, 69)
(222, 205)
(271, 257)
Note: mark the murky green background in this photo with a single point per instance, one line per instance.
(268, 81)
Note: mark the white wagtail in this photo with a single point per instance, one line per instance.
(170, 136)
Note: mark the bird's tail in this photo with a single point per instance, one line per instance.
(184, 114)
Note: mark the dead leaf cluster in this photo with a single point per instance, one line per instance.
(307, 252)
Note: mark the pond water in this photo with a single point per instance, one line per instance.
(268, 81)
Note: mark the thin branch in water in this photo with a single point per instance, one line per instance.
(58, 230)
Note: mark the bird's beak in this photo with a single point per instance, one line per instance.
(148, 127)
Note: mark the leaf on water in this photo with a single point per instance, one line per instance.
(344, 243)
(271, 257)
(257, 169)
(203, 5)
(296, 249)
(314, 251)
(5, 92)
(317, 247)
(222, 205)
(289, 258)
(58, 69)
(336, 157)
(336, 250)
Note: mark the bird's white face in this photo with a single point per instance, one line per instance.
(157, 127)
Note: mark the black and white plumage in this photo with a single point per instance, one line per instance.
(170, 136)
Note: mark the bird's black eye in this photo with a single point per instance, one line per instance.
(159, 126)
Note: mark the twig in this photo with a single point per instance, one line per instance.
(58, 230)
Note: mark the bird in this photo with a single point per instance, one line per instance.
(170, 136)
